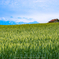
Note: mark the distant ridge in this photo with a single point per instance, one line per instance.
(2, 22)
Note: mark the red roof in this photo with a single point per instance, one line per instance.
(53, 19)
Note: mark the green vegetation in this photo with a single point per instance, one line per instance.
(37, 41)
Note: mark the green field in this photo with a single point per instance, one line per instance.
(29, 41)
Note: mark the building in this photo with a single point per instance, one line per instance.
(53, 20)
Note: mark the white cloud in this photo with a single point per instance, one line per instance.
(3, 18)
(41, 18)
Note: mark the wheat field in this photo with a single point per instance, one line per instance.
(29, 41)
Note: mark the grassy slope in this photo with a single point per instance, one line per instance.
(34, 40)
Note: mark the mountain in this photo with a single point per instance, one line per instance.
(2, 22)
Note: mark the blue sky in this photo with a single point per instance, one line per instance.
(29, 10)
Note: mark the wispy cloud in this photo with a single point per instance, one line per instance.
(2, 18)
